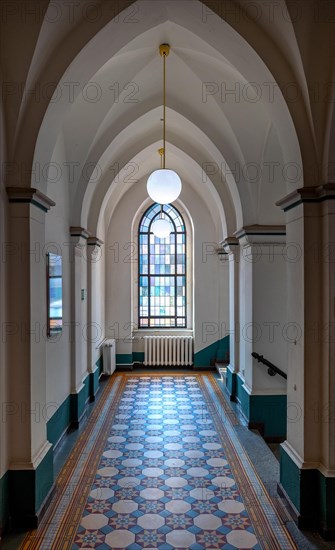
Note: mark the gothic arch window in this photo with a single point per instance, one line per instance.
(162, 271)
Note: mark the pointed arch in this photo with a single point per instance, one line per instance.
(162, 288)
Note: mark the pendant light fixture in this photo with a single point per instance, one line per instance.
(163, 185)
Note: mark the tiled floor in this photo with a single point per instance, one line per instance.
(164, 480)
(174, 512)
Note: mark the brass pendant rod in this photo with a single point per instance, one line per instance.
(164, 50)
(161, 152)
(164, 106)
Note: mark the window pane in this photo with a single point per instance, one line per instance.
(162, 296)
(55, 297)
(55, 265)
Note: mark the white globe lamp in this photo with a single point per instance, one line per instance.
(164, 186)
(161, 228)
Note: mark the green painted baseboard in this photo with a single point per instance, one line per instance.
(71, 410)
(128, 359)
(94, 383)
(271, 412)
(33, 486)
(268, 413)
(216, 351)
(77, 405)
(124, 359)
(311, 494)
(59, 422)
(242, 397)
(99, 364)
(138, 356)
(231, 384)
(4, 501)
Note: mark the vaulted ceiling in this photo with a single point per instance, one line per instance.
(243, 124)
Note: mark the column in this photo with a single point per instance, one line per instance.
(95, 331)
(230, 246)
(263, 319)
(307, 468)
(31, 458)
(79, 390)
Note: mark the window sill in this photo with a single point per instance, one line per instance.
(162, 332)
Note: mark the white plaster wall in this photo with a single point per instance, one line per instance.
(246, 298)
(101, 296)
(118, 273)
(263, 314)
(270, 316)
(57, 237)
(271, 177)
(224, 295)
(207, 284)
(84, 333)
(296, 289)
(98, 306)
(210, 313)
(38, 314)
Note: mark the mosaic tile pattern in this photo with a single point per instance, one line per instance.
(163, 480)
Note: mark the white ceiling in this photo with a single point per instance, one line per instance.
(114, 117)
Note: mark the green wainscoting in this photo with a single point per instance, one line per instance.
(94, 383)
(311, 493)
(124, 360)
(4, 501)
(59, 422)
(138, 356)
(77, 405)
(207, 356)
(71, 410)
(327, 505)
(271, 412)
(231, 384)
(128, 359)
(242, 397)
(33, 486)
(268, 413)
(99, 364)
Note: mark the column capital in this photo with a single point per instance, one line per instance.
(261, 234)
(76, 231)
(29, 196)
(230, 245)
(307, 195)
(94, 249)
(94, 241)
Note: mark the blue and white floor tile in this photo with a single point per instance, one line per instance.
(164, 480)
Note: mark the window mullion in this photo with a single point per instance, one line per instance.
(163, 305)
(175, 280)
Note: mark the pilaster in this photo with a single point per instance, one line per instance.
(78, 241)
(95, 331)
(308, 456)
(262, 319)
(231, 247)
(31, 468)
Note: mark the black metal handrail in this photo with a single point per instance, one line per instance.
(272, 370)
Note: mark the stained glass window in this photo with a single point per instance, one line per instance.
(162, 271)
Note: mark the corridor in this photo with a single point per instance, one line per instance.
(167, 202)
